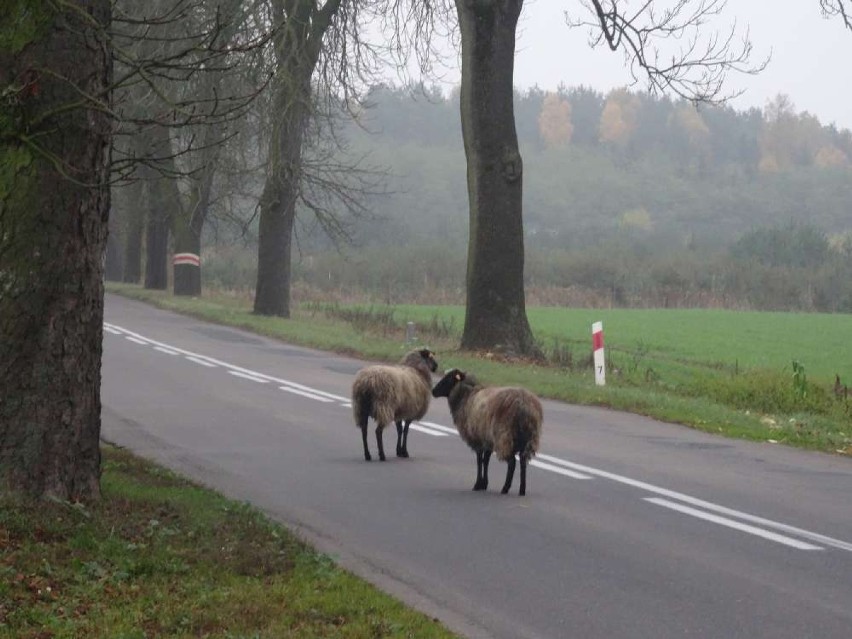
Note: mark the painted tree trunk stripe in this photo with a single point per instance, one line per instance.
(189, 259)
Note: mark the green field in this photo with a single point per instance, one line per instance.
(714, 339)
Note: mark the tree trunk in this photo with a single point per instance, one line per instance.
(496, 313)
(53, 230)
(163, 206)
(296, 55)
(114, 259)
(134, 232)
(187, 257)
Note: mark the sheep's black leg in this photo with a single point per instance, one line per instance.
(480, 484)
(399, 439)
(379, 442)
(482, 459)
(523, 490)
(364, 439)
(402, 439)
(405, 438)
(486, 457)
(510, 474)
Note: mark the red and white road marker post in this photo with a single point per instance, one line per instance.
(598, 351)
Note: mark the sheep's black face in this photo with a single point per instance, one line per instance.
(444, 387)
(429, 357)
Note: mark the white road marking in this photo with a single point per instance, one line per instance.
(304, 394)
(556, 465)
(451, 431)
(730, 523)
(707, 505)
(253, 378)
(558, 470)
(167, 351)
(200, 361)
(428, 431)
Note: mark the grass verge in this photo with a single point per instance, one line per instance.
(161, 557)
(756, 403)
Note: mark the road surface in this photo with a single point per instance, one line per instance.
(631, 528)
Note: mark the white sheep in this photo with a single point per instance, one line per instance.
(504, 420)
(398, 393)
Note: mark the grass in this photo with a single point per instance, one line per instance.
(724, 372)
(159, 556)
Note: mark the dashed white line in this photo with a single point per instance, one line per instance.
(730, 523)
(449, 431)
(706, 505)
(296, 391)
(427, 430)
(558, 470)
(253, 378)
(200, 361)
(556, 465)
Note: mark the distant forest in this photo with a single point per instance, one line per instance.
(629, 200)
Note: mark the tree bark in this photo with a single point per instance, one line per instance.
(134, 232)
(496, 312)
(297, 49)
(163, 206)
(54, 207)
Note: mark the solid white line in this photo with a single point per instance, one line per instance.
(304, 394)
(346, 404)
(253, 378)
(200, 361)
(707, 505)
(136, 340)
(109, 329)
(167, 351)
(558, 470)
(730, 523)
(428, 431)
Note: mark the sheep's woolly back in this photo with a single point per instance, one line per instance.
(506, 420)
(390, 393)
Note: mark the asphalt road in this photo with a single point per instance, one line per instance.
(631, 528)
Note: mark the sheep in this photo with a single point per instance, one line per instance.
(398, 393)
(504, 420)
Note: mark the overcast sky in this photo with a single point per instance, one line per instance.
(810, 56)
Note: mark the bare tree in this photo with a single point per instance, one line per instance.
(322, 61)
(55, 128)
(675, 48)
(186, 74)
(496, 316)
(833, 8)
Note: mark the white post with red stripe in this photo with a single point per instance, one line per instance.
(189, 259)
(598, 351)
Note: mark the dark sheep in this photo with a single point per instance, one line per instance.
(503, 420)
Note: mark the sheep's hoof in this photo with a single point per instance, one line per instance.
(402, 453)
(505, 491)
(367, 457)
(480, 486)
(381, 458)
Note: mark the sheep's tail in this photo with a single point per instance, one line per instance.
(362, 406)
(526, 432)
